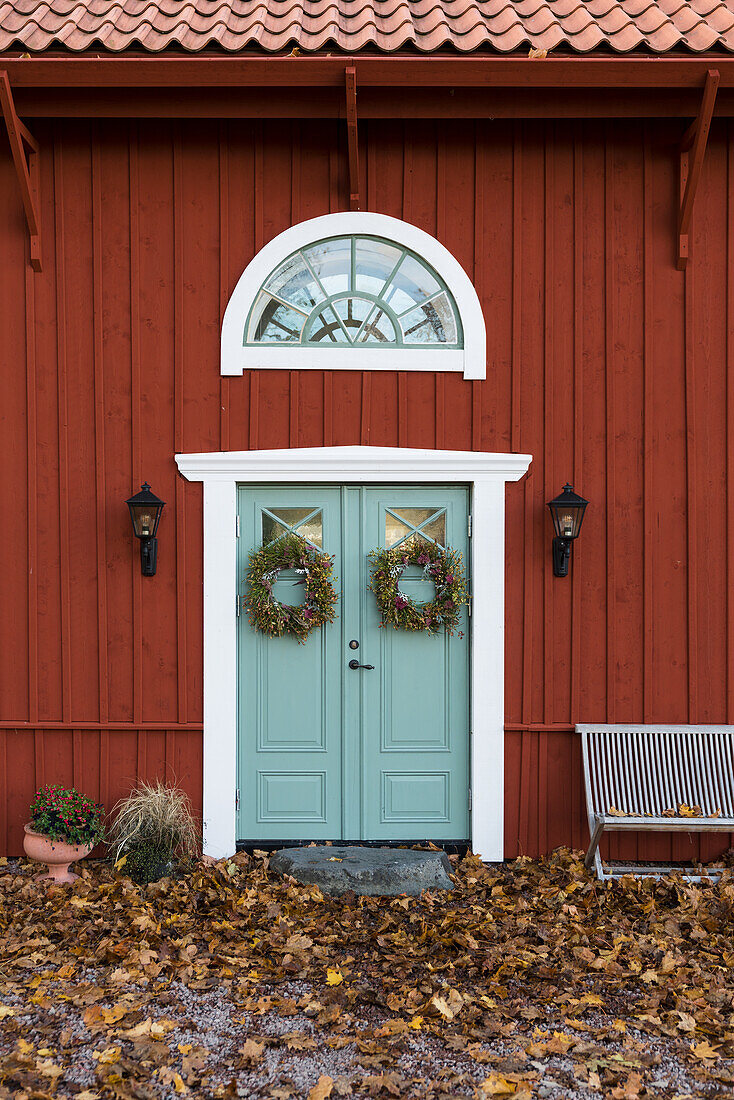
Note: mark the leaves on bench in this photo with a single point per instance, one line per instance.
(681, 810)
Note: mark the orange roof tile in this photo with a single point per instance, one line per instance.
(352, 25)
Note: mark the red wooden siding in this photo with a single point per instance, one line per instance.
(605, 362)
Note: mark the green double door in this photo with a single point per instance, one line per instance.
(331, 752)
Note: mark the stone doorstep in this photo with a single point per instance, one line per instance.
(371, 872)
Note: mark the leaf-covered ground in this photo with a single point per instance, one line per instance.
(529, 979)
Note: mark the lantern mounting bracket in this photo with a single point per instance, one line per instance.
(352, 138)
(692, 151)
(24, 148)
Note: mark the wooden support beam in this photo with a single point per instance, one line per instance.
(692, 152)
(406, 71)
(351, 88)
(26, 167)
(28, 137)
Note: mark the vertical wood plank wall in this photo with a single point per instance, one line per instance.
(606, 363)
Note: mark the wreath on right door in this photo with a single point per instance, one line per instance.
(442, 566)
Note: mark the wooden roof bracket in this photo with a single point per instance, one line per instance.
(692, 151)
(353, 143)
(24, 148)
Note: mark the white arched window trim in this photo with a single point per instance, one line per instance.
(471, 360)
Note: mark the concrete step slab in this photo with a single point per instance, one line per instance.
(371, 872)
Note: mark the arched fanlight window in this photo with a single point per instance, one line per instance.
(358, 291)
(384, 293)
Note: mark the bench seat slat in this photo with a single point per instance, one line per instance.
(668, 824)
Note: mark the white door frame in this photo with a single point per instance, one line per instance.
(221, 472)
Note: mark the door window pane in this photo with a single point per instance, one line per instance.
(394, 530)
(403, 523)
(272, 529)
(436, 529)
(414, 516)
(306, 522)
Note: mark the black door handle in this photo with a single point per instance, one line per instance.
(356, 665)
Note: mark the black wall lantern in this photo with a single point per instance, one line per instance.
(145, 512)
(567, 511)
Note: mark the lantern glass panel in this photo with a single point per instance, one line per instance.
(145, 512)
(567, 511)
(145, 520)
(567, 522)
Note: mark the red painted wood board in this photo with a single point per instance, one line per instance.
(604, 361)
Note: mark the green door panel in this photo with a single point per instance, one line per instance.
(289, 759)
(327, 752)
(415, 707)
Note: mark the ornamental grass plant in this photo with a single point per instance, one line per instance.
(154, 829)
(64, 814)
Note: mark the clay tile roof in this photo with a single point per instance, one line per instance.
(503, 26)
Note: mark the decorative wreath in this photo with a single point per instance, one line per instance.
(443, 567)
(316, 570)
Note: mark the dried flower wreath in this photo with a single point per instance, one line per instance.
(316, 572)
(442, 566)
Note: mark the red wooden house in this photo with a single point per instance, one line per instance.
(371, 274)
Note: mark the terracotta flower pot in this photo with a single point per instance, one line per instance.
(55, 854)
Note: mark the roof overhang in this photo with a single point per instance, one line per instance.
(313, 86)
(379, 71)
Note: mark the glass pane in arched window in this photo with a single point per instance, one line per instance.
(379, 329)
(275, 322)
(331, 262)
(431, 323)
(361, 291)
(412, 283)
(327, 328)
(374, 263)
(296, 284)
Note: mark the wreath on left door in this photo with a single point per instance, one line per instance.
(316, 572)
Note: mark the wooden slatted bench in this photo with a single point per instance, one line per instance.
(642, 771)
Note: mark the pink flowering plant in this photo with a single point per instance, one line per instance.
(444, 567)
(66, 815)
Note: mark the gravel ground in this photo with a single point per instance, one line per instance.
(203, 1036)
(90, 1033)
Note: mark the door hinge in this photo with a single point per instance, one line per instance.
(470, 798)
(469, 599)
(237, 526)
(237, 604)
(237, 799)
(468, 526)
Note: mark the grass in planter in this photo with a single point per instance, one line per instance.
(154, 829)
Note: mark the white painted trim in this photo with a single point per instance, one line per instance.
(472, 358)
(221, 472)
(341, 357)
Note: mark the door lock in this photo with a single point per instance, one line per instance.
(355, 665)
